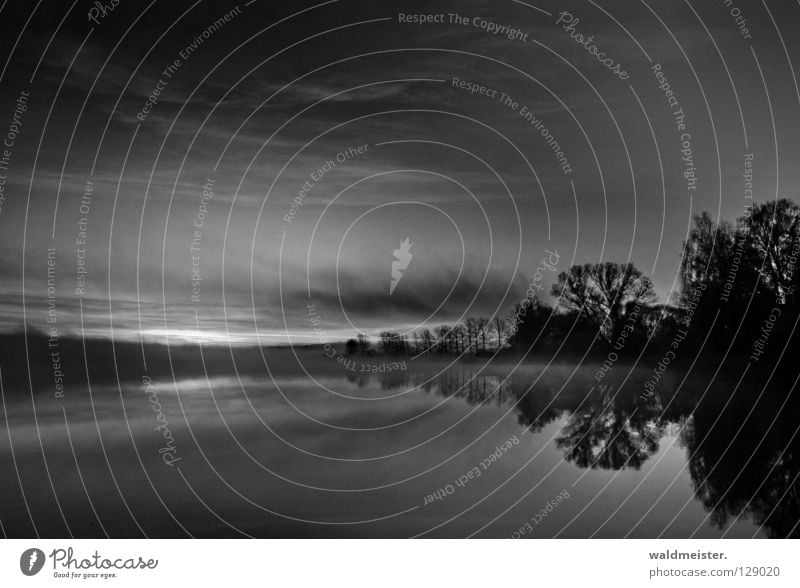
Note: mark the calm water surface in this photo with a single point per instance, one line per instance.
(417, 452)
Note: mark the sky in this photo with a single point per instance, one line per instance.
(292, 147)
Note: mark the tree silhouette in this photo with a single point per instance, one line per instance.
(707, 253)
(609, 434)
(482, 325)
(602, 292)
(471, 327)
(772, 229)
(531, 319)
(499, 328)
(731, 273)
(443, 337)
(393, 343)
(426, 341)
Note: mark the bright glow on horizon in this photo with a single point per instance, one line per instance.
(217, 337)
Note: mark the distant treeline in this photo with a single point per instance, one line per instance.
(738, 296)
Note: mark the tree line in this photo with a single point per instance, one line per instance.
(738, 295)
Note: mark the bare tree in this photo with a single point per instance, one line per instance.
(482, 326)
(427, 341)
(442, 338)
(471, 326)
(499, 325)
(393, 343)
(457, 334)
(601, 292)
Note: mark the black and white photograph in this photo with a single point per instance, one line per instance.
(325, 270)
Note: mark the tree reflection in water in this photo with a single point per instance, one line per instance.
(610, 431)
(743, 458)
(753, 470)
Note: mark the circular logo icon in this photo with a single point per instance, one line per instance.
(31, 561)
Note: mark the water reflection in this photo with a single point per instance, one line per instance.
(742, 448)
(692, 458)
(611, 431)
(743, 458)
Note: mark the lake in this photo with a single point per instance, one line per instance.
(418, 449)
